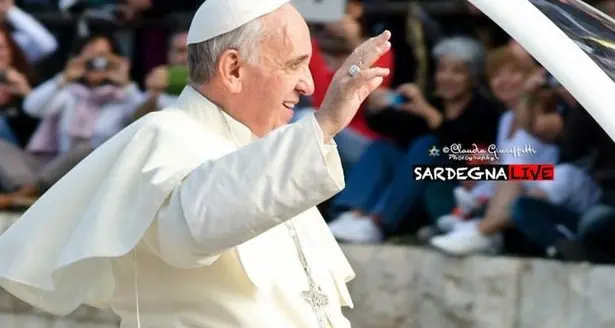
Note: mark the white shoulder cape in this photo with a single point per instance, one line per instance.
(58, 255)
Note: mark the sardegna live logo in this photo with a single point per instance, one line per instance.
(514, 172)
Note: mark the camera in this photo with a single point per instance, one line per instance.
(97, 64)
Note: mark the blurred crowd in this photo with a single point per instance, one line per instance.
(459, 80)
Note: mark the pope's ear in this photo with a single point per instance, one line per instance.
(229, 65)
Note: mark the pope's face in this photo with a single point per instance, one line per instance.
(281, 75)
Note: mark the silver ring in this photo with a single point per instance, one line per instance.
(354, 70)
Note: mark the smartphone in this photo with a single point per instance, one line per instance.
(177, 79)
(396, 99)
(97, 64)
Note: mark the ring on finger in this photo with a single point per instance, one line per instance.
(354, 70)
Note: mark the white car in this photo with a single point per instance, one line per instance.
(572, 40)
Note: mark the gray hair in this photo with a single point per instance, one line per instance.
(203, 57)
(465, 49)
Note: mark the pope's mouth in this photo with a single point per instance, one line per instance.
(289, 105)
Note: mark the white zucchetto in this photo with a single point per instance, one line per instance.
(217, 17)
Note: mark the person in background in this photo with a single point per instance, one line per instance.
(331, 45)
(16, 78)
(510, 79)
(477, 25)
(574, 186)
(414, 35)
(80, 109)
(161, 8)
(559, 229)
(606, 6)
(381, 190)
(164, 82)
(32, 37)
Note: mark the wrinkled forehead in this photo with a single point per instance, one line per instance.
(286, 32)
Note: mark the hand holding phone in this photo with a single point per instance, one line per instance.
(16, 81)
(412, 99)
(379, 100)
(396, 99)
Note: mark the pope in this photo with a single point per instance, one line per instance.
(203, 214)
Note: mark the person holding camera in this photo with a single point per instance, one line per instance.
(89, 102)
(16, 126)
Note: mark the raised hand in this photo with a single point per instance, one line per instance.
(18, 82)
(157, 79)
(353, 82)
(120, 70)
(416, 101)
(74, 70)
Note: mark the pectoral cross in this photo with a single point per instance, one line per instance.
(314, 295)
(317, 300)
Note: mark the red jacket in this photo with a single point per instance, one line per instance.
(323, 76)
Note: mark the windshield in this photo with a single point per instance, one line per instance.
(593, 31)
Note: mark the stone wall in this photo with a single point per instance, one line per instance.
(403, 287)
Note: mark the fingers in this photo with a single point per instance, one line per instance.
(373, 84)
(118, 62)
(11, 74)
(77, 62)
(370, 51)
(409, 90)
(368, 81)
(370, 73)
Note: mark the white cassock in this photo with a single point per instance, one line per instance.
(170, 223)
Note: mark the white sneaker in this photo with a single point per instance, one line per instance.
(359, 230)
(448, 223)
(342, 223)
(467, 240)
(464, 199)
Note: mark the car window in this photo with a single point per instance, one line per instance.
(590, 29)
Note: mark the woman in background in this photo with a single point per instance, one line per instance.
(81, 108)
(381, 190)
(513, 81)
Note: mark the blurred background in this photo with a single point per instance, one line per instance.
(75, 72)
